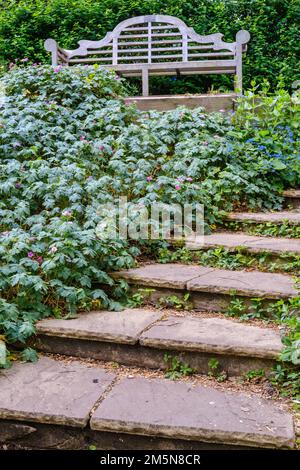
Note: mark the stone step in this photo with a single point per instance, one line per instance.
(185, 411)
(292, 218)
(209, 288)
(69, 404)
(141, 337)
(252, 244)
(292, 198)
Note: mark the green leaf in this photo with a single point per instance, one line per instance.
(29, 355)
(3, 353)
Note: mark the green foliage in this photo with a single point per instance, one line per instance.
(291, 353)
(265, 229)
(286, 374)
(165, 255)
(178, 303)
(139, 298)
(29, 355)
(2, 353)
(273, 24)
(214, 370)
(69, 143)
(239, 259)
(272, 123)
(286, 378)
(52, 262)
(177, 368)
(213, 365)
(254, 374)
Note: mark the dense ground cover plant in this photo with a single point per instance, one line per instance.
(69, 143)
(241, 258)
(267, 229)
(273, 24)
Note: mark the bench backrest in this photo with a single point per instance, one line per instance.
(155, 39)
(152, 39)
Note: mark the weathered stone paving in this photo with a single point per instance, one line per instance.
(292, 193)
(292, 198)
(119, 327)
(68, 404)
(213, 335)
(181, 410)
(265, 217)
(162, 275)
(212, 280)
(245, 283)
(251, 243)
(238, 347)
(74, 395)
(50, 391)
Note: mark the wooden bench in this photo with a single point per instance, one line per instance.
(157, 45)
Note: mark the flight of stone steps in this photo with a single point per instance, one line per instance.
(76, 395)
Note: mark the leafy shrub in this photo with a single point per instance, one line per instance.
(69, 143)
(271, 123)
(274, 26)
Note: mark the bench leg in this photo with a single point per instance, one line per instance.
(145, 81)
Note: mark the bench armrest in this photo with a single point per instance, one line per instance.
(59, 55)
(242, 37)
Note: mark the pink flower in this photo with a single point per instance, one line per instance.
(53, 249)
(149, 178)
(82, 138)
(222, 110)
(30, 254)
(189, 178)
(101, 148)
(177, 186)
(40, 259)
(25, 59)
(18, 185)
(67, 213)
(57, 69)
(181, 180)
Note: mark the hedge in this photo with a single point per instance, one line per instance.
(274, 50)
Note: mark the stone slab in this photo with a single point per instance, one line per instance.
(52, 437)
(292, 193)
(253, 244)
(50, 391)
(292, 198)
(213, 335)
(164, 103)
(245, 283)
(148, 357)
(119, 327)
(160, 407)
(266, 217)
(162, 275)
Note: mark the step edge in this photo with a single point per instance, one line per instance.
(198, 434)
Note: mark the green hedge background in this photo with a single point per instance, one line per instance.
(273, 53)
